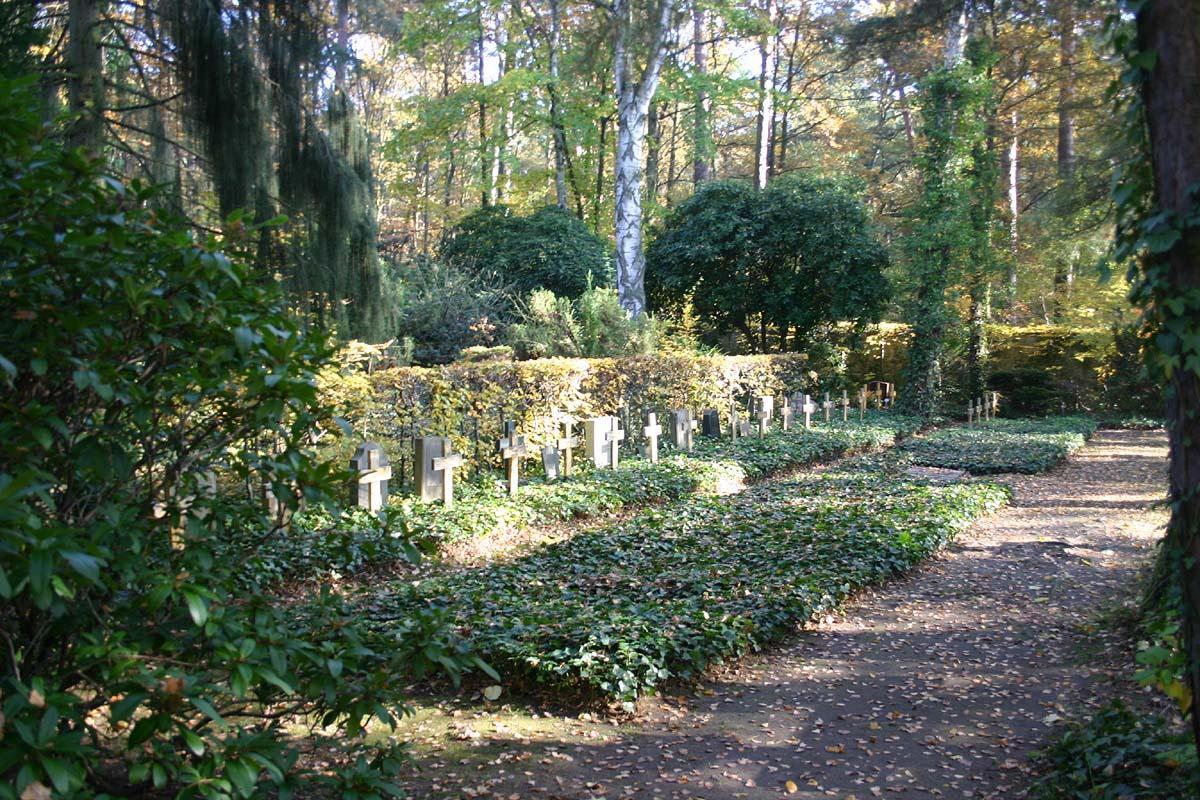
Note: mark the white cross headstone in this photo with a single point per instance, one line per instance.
(862, 403)
(596, 441)
(828, 408)
(733, 421)
(614, 438)
(786, 413)
(995, 403)
(970, 415)
(652, 432)
(845, 406)
(808, 408)
(372, 471)
(512, 449)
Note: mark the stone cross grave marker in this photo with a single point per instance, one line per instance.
(862, 403)
(446, 464)
(372, 471)
(970, 415)
(786, 413)
(596, 442)
(845, 406)
(614, 437)
(512, 449)
(652, 432)
(550, 462)
(430, 481)
(764, 412)
(712, 423)
(734, 425)
(682, 429)
(995, 403)
(808, 408)
(984, 409)
(565, 445)
(827, 407)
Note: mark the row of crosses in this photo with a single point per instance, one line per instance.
(435, 462)
(983, 408)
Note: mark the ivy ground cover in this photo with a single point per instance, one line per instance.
(617, 612)
(320, 542)
(1003, 445)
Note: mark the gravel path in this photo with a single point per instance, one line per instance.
(939, 685)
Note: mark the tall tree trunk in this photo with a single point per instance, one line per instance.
(598, 195)
(768, 56)
(654, 146)
(905, 114)
(487, 183)
(702, 132)
(85, 79)
(1014, 206)
(342, 39)
(556, 123)
(1064, 267)
(634, 95)
(1171, 30)
(784, 133)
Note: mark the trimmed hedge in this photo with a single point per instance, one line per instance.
(467, 401)
(1002, 445)
(617, 612)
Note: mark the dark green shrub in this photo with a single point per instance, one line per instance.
(775, 267)
(134, 358)
(1027, 392)
(549, 249)
(445, 309)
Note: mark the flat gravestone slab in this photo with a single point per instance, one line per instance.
(937, 474)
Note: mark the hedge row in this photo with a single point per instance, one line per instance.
(319, 544)
(619, 611)
(468, 401)
(1002, 445)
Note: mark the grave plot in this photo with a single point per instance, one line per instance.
(1001, 445)
(617, 612)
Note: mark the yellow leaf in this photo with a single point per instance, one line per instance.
(791, 787)
(835, 748)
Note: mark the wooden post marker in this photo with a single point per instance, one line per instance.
(512, 449)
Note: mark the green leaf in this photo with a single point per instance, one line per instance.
(197, 607)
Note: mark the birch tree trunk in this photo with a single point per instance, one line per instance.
(634, 94)
(766, 97)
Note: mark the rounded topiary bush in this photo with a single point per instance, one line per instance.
(549, 249)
